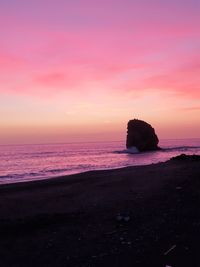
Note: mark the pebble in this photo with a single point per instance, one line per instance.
(127, 218)
(121, 217)
(178, 187)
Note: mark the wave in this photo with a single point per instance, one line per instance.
(180, 148)
(131, 150)
(43, 173)
(134, 150)
(18, 175)
(56, 170)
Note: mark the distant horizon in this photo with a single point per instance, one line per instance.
(82, 142)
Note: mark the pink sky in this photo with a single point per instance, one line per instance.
(79, 70)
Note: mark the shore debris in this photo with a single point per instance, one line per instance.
(116, 231)
(169, 250)
(123, 217)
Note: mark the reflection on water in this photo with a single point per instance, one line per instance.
(30, 162)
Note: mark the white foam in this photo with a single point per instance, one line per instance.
(132, 150)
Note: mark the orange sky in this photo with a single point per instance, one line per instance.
(79, 71)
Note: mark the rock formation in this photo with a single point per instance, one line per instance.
(184, 157)
(141, 135)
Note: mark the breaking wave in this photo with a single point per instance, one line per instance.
(131, 150)
(181, 148)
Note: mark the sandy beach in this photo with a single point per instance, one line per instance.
(134, 216)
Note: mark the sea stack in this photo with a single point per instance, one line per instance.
(141, 135)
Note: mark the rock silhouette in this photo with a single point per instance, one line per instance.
(184, 157)
(141, 135)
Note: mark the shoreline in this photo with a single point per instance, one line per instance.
(120, 217)
(11, 174)
(61, 177)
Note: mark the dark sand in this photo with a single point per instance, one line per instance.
(72, 221)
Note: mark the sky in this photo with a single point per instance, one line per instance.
(73, 71)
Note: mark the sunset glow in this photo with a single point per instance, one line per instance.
(79, 70)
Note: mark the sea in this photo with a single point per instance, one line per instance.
(20, 163)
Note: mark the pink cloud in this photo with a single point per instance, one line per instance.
(196, 108)
(51, 79)
(10, 62)
(184, 80)
(102, 46)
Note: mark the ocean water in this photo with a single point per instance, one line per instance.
(32, 162)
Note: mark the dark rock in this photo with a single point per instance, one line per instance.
(184, 157)
(141, 135)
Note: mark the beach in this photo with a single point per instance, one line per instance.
(134, 216)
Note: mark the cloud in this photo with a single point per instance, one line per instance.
(196, 108)
(51, 79)
(9, 62)
(120, 50)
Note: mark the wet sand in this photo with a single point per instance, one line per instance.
(135, 216)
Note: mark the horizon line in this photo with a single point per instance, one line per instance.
(85, 142)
